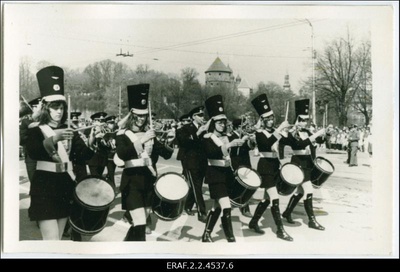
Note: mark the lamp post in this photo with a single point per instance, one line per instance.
(313, 72)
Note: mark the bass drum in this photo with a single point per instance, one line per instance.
(322, 170)
(290, 177)
(171, 190)
(245, 184)
(93, 197)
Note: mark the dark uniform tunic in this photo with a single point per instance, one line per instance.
(23, 136)
(301, 143)
(218, 178)
(241, 159)
(269, 164)
(137, 182)
(51, 193)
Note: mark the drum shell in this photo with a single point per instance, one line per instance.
(240, 192)
(87, 219)
(283, 186)
(319, 175)
(167, 209)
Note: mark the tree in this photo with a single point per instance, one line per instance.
(28, 86)
(337, 73)
(363, 83)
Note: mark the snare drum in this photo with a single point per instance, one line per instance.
(321, 171)
(245, 184)
(170, 190)
(291, 176)
(92, 199)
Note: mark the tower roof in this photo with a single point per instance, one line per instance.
(218, 66)
(244, 84)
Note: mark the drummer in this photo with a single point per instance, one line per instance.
(240, 155)
(267, 138)
(139, 148)
(53, 182)
(219, 173)
(302, 142)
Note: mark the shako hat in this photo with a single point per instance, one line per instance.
(261, 104)
(138, 98)
(51, 83)
(302, 108)
(215, 107)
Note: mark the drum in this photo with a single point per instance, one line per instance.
(92, 199)
(171, 190)
(290, 176)
(321, 171)
(245, 184)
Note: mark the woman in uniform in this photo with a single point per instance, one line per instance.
(219, 173)
(138, 147)
(53, 181)
(302, 142)
(268, 167)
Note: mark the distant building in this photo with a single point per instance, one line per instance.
(218, 73)
(286, 84)
(245, 88)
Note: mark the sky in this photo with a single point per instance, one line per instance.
(260, 43)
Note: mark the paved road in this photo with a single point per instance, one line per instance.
(342, 205)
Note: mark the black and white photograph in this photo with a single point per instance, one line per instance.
(200, 129)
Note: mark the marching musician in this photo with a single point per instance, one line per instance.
(109, 142)
(139, 148)
(219, 174)
(240, 156)
(78, 163)
(195, 161)
(27, 117)
(267, 138)
(184, 120)
(302, 142)
(99, 161)
(53, 182)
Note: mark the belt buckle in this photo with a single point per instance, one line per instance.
(60, 167)
(146, 161)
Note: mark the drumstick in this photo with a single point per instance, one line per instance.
(23, 98)
(287, 111)
(69, 118)
(240, 135)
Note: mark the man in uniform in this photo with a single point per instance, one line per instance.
(109, 142)
(195, 161)
(184, 120)
(98, 162)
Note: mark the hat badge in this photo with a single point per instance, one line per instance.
(265, 106)
(56, 87)
(220, 109)
(143, 101)
(306, 110)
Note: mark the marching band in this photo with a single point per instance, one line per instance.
(59, 149)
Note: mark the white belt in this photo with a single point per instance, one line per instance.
(301, 152)
(138, 163)
(220, 163)
(55, 167)
(268, 155)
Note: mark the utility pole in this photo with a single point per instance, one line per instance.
(119, 103)
(313, 73)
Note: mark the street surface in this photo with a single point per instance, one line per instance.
(342, 205)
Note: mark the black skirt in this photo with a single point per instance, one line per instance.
(49, 207)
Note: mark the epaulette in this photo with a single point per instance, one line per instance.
(121, 132)
(229, 134)
(207, 135)
(259, 130)
(34, 124)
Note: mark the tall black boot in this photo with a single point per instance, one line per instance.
(276, 214)
(312, 222)
(289, 209)
(130, 235)
(253, 224)
(227, 225)
(148, 224)
(140, 233)
(212, 218)
(245, 210)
